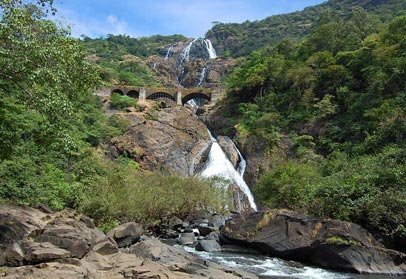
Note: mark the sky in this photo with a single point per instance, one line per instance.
(140, 18)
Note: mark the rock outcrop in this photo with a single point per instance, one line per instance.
(326, 243)
(229, 149)
(66, 245)
(169, 139)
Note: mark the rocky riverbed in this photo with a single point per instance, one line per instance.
(37, 243)
(40, 244)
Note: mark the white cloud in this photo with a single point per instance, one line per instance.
(93, 26)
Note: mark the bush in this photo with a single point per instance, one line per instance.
(124, 193)
(24, 182)
(368, 190)
(120, 102)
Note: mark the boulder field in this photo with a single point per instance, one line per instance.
(326, 243)
(66, 245)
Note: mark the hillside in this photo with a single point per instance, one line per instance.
(232, 39)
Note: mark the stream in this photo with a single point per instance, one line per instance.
(268, 267)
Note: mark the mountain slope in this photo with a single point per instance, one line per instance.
(233, 39)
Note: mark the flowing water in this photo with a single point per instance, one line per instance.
(267, 267)
(218, 165)
(168, 53)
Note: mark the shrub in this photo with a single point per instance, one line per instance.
(150, 198)
(120, 102)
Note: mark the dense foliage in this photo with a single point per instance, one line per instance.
(233, 39)
(120, 57)
(52, 130)
(339, 96)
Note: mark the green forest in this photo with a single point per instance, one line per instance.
(339, 95)
(236, 40)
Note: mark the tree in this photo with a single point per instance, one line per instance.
(43, 69)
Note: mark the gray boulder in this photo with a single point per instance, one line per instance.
(186, 239)
(217, 221)
(323, 242)
(208, 246)
(126, 234)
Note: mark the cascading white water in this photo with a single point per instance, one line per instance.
(218, 165)
(168, 53)
(243, 164)
(210, 49)
(185, 54)
(202, 76)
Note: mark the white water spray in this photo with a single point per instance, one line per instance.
(210, 49)
(185, 54)
(218, 165)
(202, 76)
(168, 53)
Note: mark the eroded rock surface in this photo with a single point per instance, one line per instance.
(169, 139)
(66, 245)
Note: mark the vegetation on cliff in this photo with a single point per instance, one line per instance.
(120, 57)
(339, 95)
(52, 130)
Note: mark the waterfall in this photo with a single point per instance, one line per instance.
(243, 164)
(219, 165)
(185, 54)
(202, 76)
(168, 53)
(210, 49)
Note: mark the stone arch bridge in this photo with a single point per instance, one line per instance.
(177, 94)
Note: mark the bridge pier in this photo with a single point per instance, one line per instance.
(179, 97)
(143, 94)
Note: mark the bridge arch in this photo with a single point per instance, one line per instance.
(117, 91)
(195, 95)
(133, 94)
(161, 96)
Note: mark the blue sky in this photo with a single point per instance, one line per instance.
(137, 18)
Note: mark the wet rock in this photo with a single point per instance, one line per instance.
(186, 239)
(213, 236)
(229, 149)
(323, 242)
(177, 259)
(208, 246)
(126, 234)
(205, 230)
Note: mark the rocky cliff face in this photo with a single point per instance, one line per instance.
(170, 139)
(190, 65)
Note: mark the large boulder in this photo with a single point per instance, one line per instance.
(169, 139)
(28, 235)
(208, 246)
(126, 234)
(177, 259)
(323, 242)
